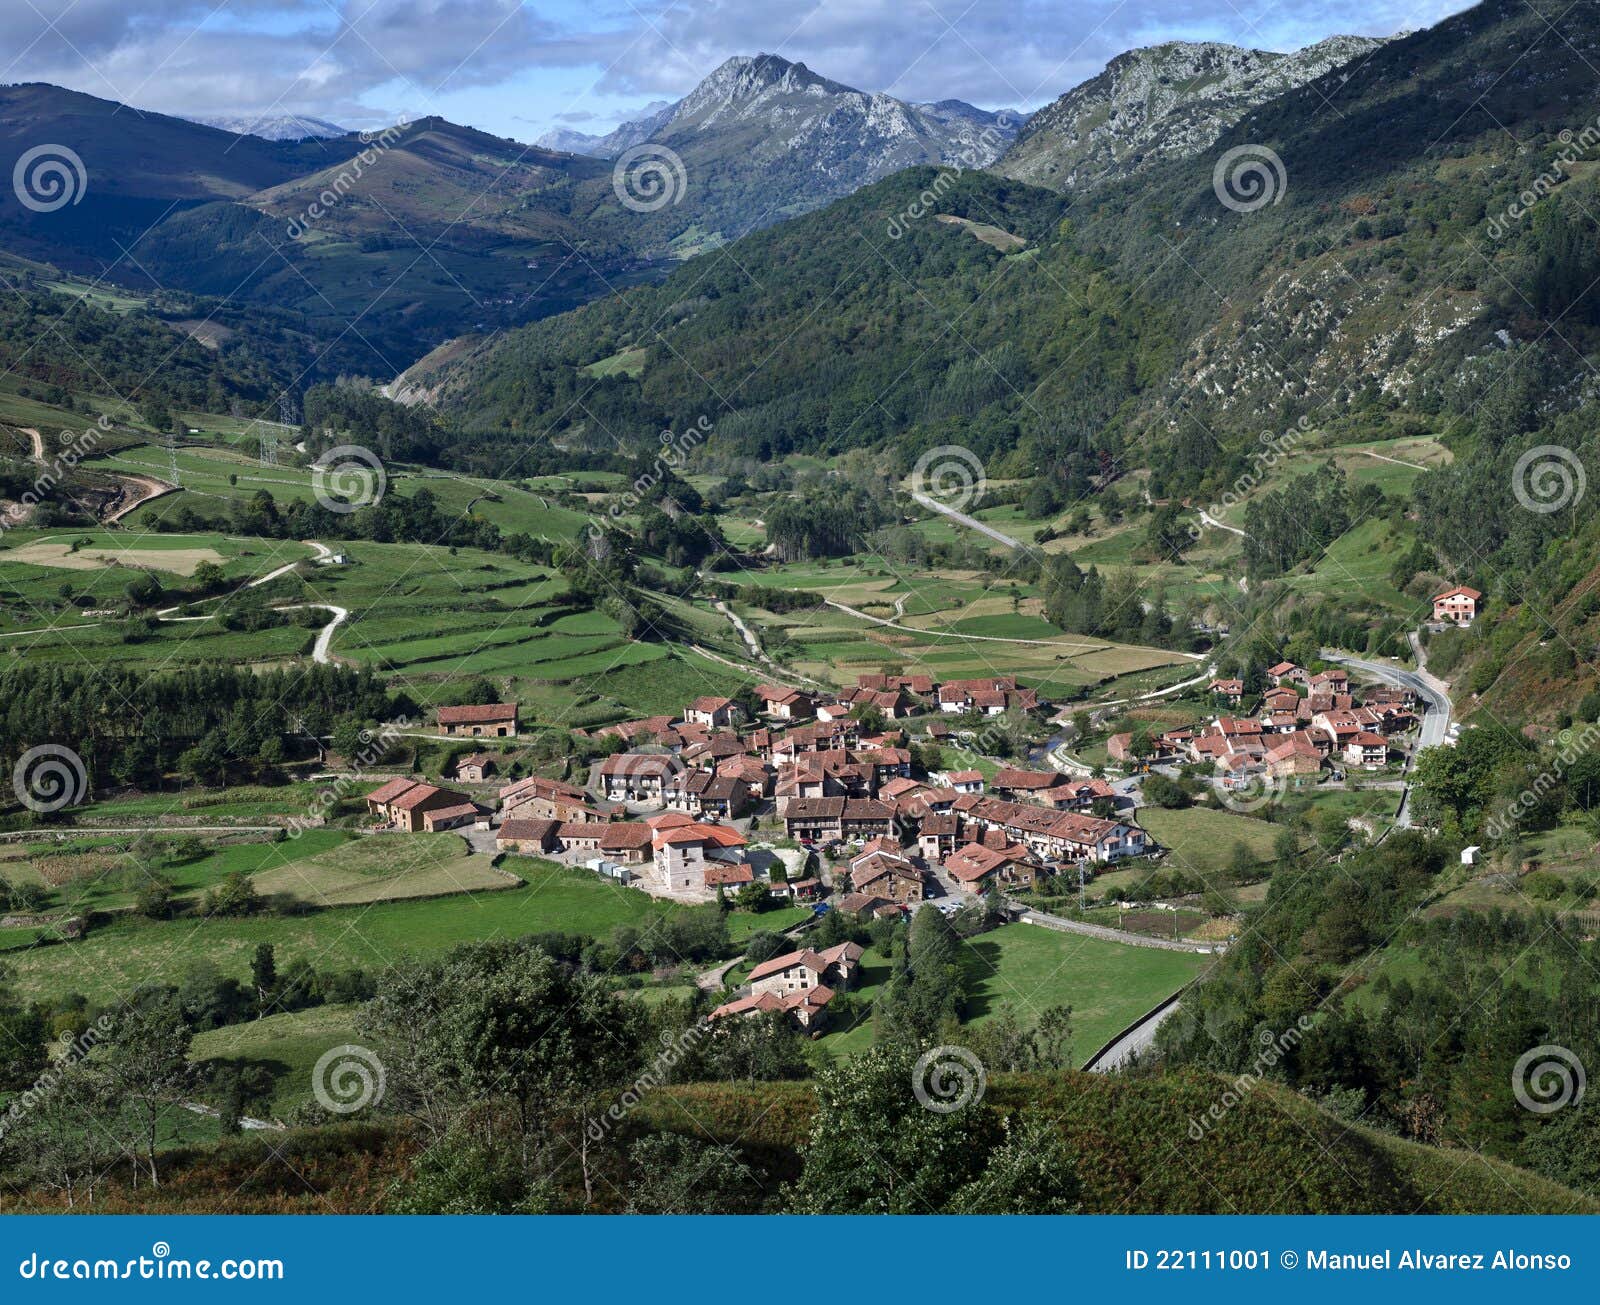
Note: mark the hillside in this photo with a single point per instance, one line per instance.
(1168, 101)
(1273, 1153)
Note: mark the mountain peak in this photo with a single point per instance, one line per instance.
(1164, 101)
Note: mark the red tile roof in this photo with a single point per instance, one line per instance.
(478, 715)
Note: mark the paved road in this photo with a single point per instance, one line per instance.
(970, 522)
(1429, 689)
(1136, 1041)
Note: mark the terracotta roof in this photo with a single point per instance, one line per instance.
(451, 813)
(624, 834)
(710, 704)
(541, 831)
(393, 789)
(1010, 777)
(722, 874)
(478, 715)
(1465, 591)
(416, 795)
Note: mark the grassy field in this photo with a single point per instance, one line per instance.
(1202, 839)
(1025, 969)
(287, 1046)
(117, 956)
(380, 869)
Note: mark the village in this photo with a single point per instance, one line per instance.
(850, 802)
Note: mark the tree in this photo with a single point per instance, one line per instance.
(264, 976)
(144, 1068)
(876, 1149)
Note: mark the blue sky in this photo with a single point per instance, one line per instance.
(519, 69)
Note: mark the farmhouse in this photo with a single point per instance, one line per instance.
(465, 812)
(685, 850)
(404, 803)
(1285, 673)
(475, 768)
(637, 776)
(978, 868)
(702, 793)
(1057, 835)
(1458, 606)
(1369, 751)
(885, 873)
(795, 971)
(1230, 691)
(547, 799)
(712, 712)
(494, 720)
(528, 837)
(785, 704)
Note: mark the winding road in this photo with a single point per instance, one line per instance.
(1430, 690)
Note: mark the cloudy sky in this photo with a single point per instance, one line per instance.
(518, 69)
